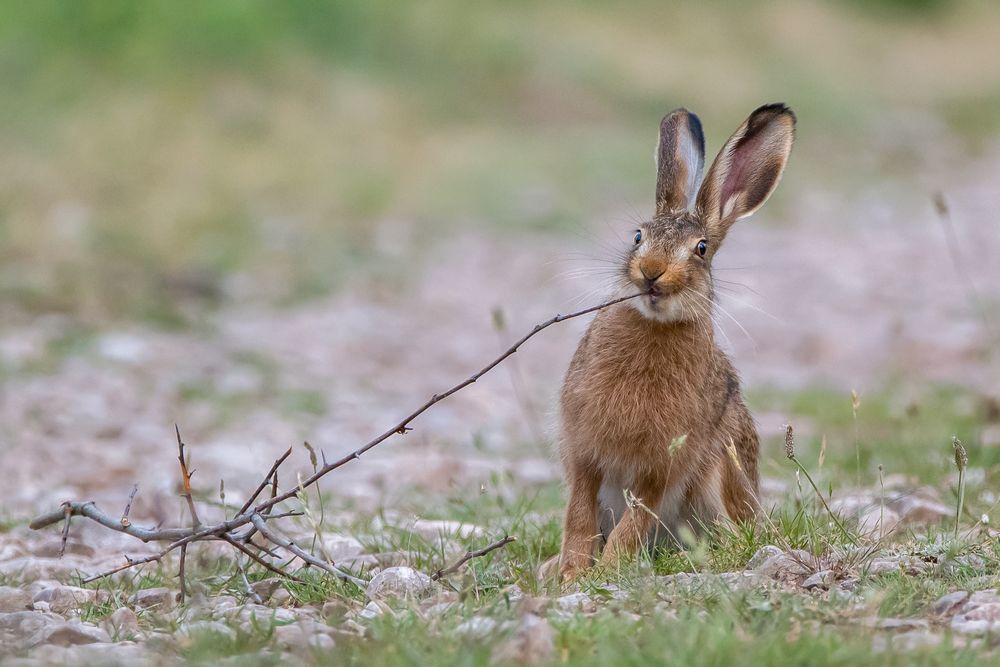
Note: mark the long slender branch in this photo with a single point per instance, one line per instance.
(89, 510)
(266, 531)
(260, 561)
(128, 506)
(186, 481)
(264, 482)
(469, 555)
(256, 517)
(403, 425)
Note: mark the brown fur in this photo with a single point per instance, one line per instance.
(648, 371)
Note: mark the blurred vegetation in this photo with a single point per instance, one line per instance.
(167, 153)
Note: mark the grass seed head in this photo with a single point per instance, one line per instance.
(789, 442)
(961, 456)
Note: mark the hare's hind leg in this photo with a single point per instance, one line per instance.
(637, 522)
(740, 478)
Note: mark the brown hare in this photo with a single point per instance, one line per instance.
(654, 432)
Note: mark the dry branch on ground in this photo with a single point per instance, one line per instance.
(256, 519)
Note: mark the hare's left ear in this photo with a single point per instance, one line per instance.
(747, 169)
(680, 158)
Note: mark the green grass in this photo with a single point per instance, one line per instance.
(911, 437)
(642, 619)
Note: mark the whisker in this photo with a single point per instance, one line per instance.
(711, 317)
(759, 310)
(727, 314)
(736, 284)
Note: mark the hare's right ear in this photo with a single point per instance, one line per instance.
(680, 157)
(747, 169)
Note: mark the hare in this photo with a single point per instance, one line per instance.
(654, 432)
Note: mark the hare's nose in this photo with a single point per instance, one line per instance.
(651, 273)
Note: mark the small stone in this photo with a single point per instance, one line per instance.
(101, 653)
(39, 585)
(896, 564)
(399, 582)
(32, 568)
(266, 587)
(761, 556)
(513, 593)
(743, 581)
(576, 602)
(195, 628)
(72, 634)
(477, 627)
(334, 610)
(52, 548)
(441, 597)
(965, 561)
(341, 547)
(840, 595)
(821, 579)
(303, 637)
(41, 606)
(62, 599)
(878, 522)
(280, 597)
(224, 603)
(438, 609)
(947, 603)
(20, 627)
(916, 510)
(982, 619)
(373, 609)
(533, 643)
(123, 624)
(159, 599)
(895, 623)
(350, 627)
(788, 565)
(985, 596)
(258, 614)
(14, 599)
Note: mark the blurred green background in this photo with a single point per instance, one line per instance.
(162, 153)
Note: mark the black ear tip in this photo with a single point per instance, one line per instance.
(693, 124)
(674, 116)
(776, 109)
(696, 131)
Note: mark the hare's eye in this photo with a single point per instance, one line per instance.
(638, 237)
(702, 247)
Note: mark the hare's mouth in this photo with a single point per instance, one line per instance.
(659, 305)
(656, 294)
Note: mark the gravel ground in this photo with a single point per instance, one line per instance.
(855, 294)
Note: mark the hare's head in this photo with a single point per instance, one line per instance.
(671, 256)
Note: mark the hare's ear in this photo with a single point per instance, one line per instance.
(747, 169)
(680, 157)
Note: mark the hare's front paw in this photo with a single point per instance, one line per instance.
(610, 559)
(572, 566)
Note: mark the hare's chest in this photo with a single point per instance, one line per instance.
(639, 403)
